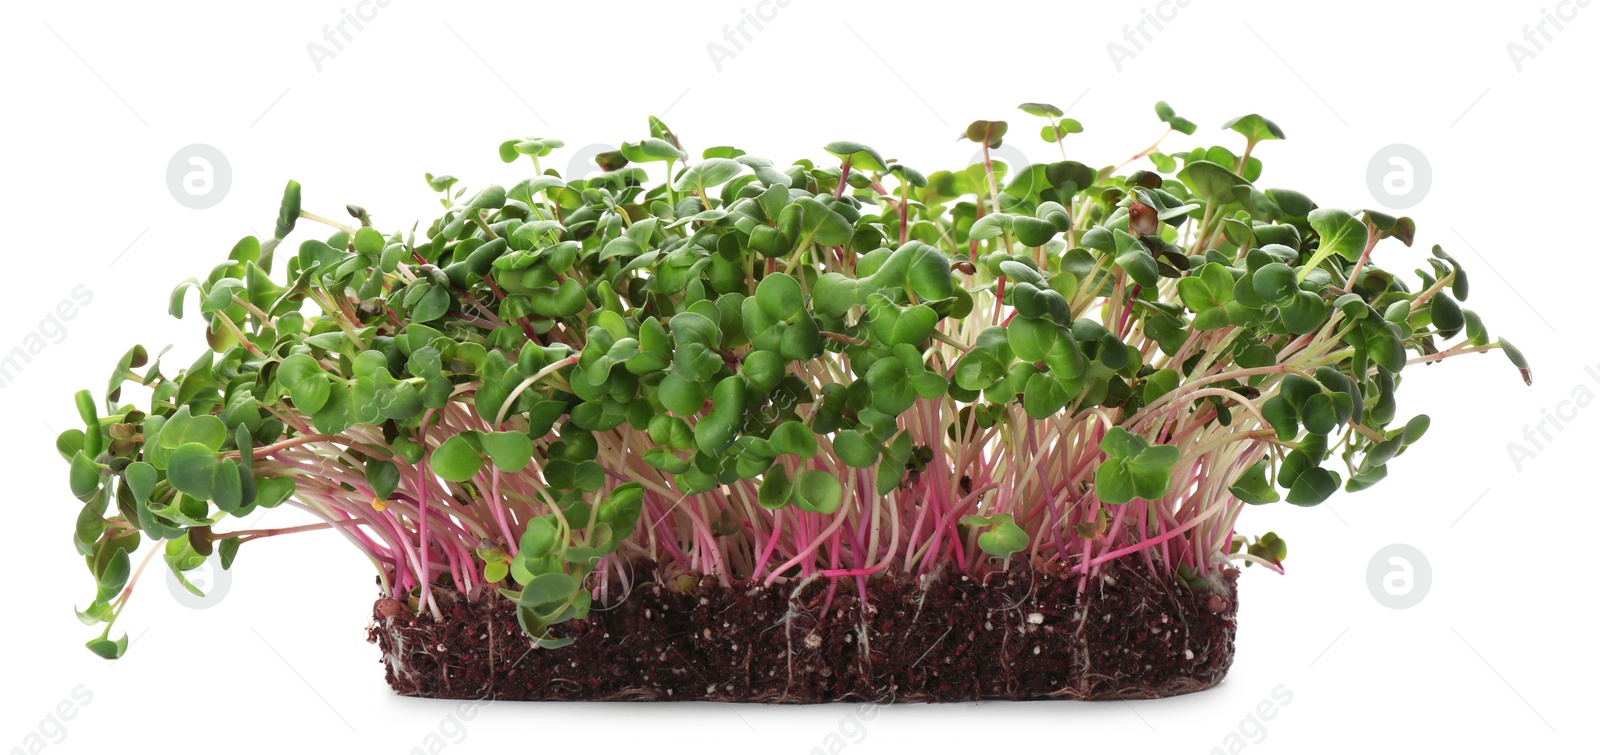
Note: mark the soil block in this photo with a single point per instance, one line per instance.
(1025, 634)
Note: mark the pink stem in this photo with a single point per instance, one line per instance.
(426, 598)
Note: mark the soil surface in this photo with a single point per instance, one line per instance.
(1024, 635)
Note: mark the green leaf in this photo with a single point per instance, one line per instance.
(1340, 233)
(274, 490)
(1140, 266)
(989, 133)
(651, 150)
(495, 571)
(228, 550)
(664, 461)
(1181, 125)
(717, 430)
(368, 241)
(1255, 128)
(1044, 395)
(912, 325)
(69, 443)
(1253, 486)
(776, 490)
(335, 416)
(1318, 414)
(695, 340)
(672, 432)
(308, 384)
(1151, 471)
(991, 226)
(434, 302)
(917, 266)
(861, 156)
(115, 575)
(780, 296)
(490, 198)
(1209, 287)
(455, 459)
(834, 294)
(1303, 313)
(1210, 181)
(892, 391)
(817, 222)
(1283, 417)
(681, 394)
(91, 422)
(1040, 109)
(1312, 487)
(708, 173)
(1415, 428)
(141, 480)
(763, 370)
(1158, 384)
(1121, 444)
(108, 649)
(588, 476)
(621, 509)
(288, 213)
(928, 273)
(1002, 536)
(1112, 482)
(1446, 315)
(191, 469)
(509, 451)
(539, 539)
(85, 477)
(383, 477)
(548, 590)
(1133, 468)
(205, 429)
(175, 299)
(1033, 231)
(818, 492)
(794, 438)
(1031, 339)
(1275, 283)
(227, 489)
(1060, 130)
(853, 449)
(1516, 357)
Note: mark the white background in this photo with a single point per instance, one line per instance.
(97, 98)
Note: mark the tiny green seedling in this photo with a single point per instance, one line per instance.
(751, 373)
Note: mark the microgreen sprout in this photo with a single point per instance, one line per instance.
(754, 373)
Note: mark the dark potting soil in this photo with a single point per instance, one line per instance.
(1022, 636)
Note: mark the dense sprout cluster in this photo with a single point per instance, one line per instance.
(768, 373)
